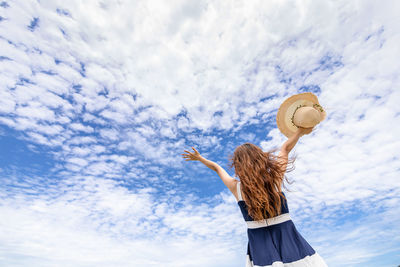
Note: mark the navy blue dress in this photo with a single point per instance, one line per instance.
(275, 242)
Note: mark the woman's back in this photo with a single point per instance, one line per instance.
(276, 240)
(243, 207)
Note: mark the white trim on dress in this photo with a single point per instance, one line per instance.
(267, 222)
(314, 260)
(238, 191)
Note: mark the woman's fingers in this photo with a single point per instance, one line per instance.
(191, 155)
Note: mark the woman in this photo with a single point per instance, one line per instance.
(273, 239)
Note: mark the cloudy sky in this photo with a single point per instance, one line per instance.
(98, 100)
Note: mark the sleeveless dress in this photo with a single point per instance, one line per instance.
(275, 242)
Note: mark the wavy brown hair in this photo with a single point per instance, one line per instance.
(261, 175)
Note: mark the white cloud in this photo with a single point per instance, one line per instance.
(109, 133)
(81, 127)
(134, 75)
(87, 223)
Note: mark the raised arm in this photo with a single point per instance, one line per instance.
(225, 177)
(289, 145)
(292, 141)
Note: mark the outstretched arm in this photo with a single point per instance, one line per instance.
(288, 146)
(225, 177)
(292, 141)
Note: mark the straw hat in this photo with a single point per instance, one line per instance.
(301, 110)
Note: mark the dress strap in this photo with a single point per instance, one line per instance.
(238, 191)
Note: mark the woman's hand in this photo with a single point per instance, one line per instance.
(303, 131)
(192, 156)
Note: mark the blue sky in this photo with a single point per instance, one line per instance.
(99, 99)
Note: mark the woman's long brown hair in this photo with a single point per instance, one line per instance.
(261, 175)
